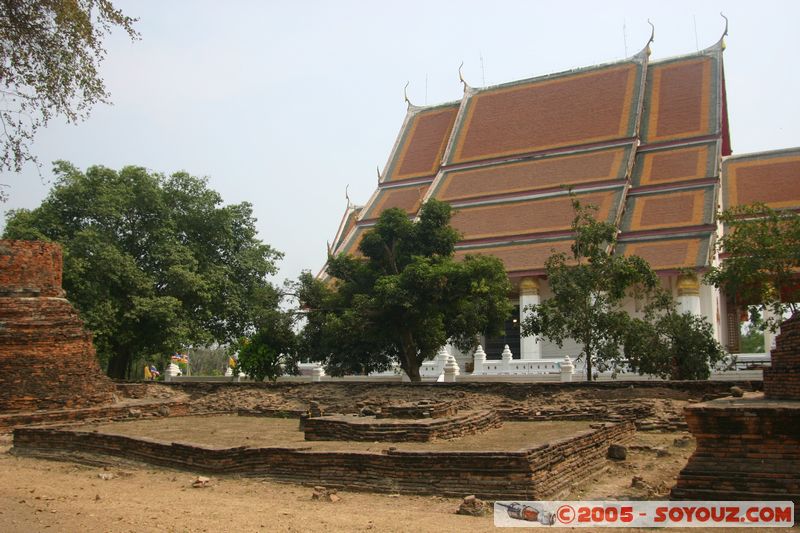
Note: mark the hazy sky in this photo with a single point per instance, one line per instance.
(283, 104)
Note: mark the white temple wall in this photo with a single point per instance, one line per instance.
(708, 305)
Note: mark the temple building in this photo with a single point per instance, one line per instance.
(646, 142)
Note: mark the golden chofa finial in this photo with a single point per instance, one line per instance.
(724, 33)
(461, 76)
(652, 36)
(347, 195)
(405, 94)
(378, 169)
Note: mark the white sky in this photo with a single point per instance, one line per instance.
(283, 104)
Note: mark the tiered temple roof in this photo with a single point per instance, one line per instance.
(641, 141)
(772, 178)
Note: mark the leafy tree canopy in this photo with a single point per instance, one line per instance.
(50, 54)
(272, 351)
(589, 287)
(761, 260)
(670, 344)
(403, 299)
(153, 262)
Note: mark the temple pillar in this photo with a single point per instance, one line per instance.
(530, 347)
(689, 293)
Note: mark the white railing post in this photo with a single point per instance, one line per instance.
(478, 361)
(507, 357)
(171, 372)
(450, 369)
(567, 369)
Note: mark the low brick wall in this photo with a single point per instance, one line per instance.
(108, 412)
(747, 449)
(345, 427)
(417, 410)
(514, 391)
(536, 473)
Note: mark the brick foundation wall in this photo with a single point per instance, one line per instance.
(782, 379)
(514, 391)
(8, 422)
(537, 473)
(418, 410)
(344, 427)
(746, 450)
(47, 359)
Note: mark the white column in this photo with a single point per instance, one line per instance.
(689, 293)
(530, 347)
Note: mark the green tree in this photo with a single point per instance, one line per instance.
(760, 252)
(50, 54)
(671, 344)
(589, 288)
(272, 351)
(153, 262)
(404, 299)
(752, 340)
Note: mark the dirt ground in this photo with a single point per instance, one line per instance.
(39, 495)
(232, 430)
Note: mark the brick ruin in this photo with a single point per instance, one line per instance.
(420, 421)
(47, 359)
(540, 472)
(782, 379)
(749, 448)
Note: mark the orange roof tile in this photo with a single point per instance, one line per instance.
(772, 178)
(520, 257)
(535, 174)
(420, 146)
(350, 243)
(670, 209)
(683, 97)
(529, 116)
(675, 165)
(670, 253)
(530, 216)
(407, 197)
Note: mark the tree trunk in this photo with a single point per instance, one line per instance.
(413, 373)
(409, 355)
(118, 366)
(588, 362)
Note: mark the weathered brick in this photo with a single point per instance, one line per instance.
(47, 359)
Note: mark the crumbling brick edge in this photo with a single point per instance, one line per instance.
(539, 472)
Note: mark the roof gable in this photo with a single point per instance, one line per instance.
(528, 116)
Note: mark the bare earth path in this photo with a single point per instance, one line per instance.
(37, 495)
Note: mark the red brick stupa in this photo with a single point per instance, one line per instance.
(749, 448)
(47, 359)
